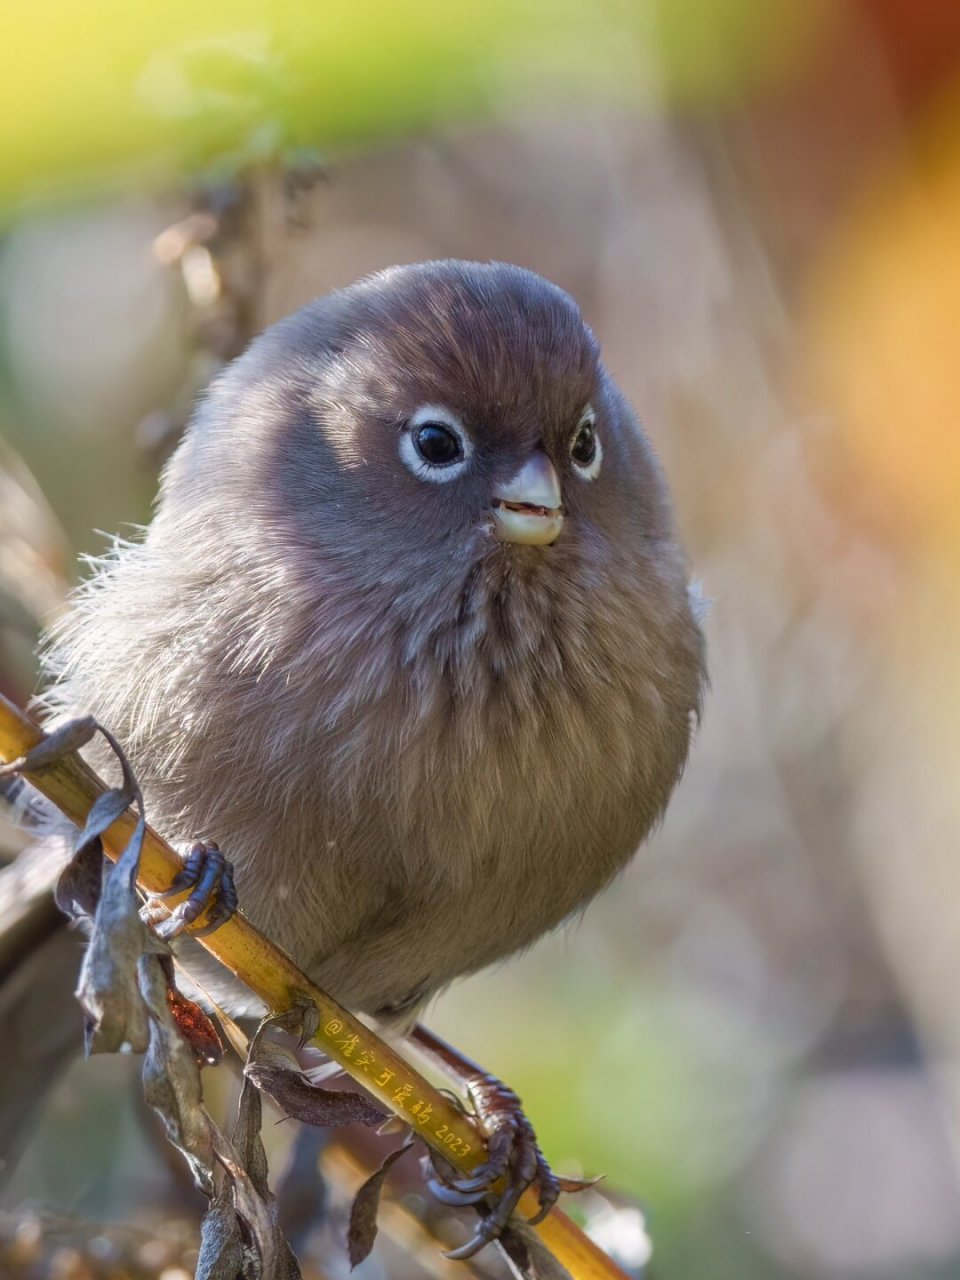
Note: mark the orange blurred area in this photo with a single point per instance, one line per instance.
(880, 335)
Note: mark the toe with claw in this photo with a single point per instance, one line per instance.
(514, 1161)
(209, 877)
(513, 1158)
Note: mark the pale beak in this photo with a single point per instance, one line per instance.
(527, 508)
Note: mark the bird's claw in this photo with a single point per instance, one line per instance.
(513, 1156)
(210, 876)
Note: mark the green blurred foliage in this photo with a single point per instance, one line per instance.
(108, 91)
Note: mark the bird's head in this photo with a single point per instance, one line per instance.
(433, 435)
(473, 393)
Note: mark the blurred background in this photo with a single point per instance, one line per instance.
(755, 1034)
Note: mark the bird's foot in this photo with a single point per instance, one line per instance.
(514, 1160)
(214, 895)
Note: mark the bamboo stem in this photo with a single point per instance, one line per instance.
(270, 973)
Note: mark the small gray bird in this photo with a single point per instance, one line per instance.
(410, 635)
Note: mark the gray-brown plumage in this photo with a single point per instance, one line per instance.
(426, 722)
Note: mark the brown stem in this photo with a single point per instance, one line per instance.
(444, 1055)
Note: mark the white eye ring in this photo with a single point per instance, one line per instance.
(435, 473)
(587, 470)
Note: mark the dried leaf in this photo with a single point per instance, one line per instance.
(222, 1254)
(79, 887)
(171, 1079)
(254, 1206)
(246, 1138)
(362, 1231)
(275, 1253)
(106, 809)
(108, 988)
(301, 1019)
(77, 892)
(63, 741)
(274, 1069)
(196, 1027)
(308, 1102)
(240, 1234)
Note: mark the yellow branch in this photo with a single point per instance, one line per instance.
(269, 972)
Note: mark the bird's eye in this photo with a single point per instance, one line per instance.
(434, 444)
(585, 449)
(437, 444)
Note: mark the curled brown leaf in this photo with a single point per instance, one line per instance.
(362, 1230)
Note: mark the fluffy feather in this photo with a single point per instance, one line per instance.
(421, 747)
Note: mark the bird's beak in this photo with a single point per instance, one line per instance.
(527, 508)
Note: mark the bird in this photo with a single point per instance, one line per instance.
(411, 635)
